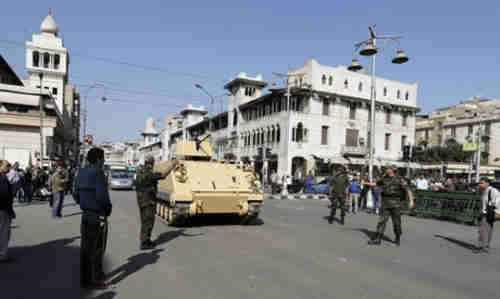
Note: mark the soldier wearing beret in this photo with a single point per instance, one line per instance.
(394, 188)
(146, 194)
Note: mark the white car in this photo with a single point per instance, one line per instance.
(121, 179)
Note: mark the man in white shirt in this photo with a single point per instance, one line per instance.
(422, 183)
(489, 197)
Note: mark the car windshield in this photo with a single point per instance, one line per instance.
(120, 174)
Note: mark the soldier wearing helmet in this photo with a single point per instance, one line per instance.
(339, 192)
(394, 189)
(146, 194)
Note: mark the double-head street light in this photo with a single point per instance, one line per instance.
(370, 49)
(85, 108)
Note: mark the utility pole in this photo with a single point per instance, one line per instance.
(40, 75)
(478, 153)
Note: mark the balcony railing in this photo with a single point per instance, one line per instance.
(354, 150)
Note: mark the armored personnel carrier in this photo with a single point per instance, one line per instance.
(196, 185)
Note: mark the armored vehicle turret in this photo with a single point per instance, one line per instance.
(196, 185)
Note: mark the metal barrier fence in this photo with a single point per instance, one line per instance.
(462, 207)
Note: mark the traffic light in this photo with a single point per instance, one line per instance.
(406, 153)
(268, 152)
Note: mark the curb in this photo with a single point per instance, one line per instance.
(297, 197)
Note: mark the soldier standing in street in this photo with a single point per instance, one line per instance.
(146, 195)
(339, 192)
(394, 188)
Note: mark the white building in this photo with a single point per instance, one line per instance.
(151, 144)
(325, 120)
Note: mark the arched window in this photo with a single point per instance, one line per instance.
(330, 81)
(235, 117)
(398, 94)
(407, 96)
(268, 135)
(36, 58)
(323, 79)
(57, 61)
(385, 91)
(346, 84)
(360, 86)
(46, 60)
(278, 133)
(273, 134)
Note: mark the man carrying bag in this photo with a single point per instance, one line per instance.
(490, 212)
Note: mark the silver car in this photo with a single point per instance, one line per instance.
(121, 179)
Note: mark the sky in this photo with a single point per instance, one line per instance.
(148, 55)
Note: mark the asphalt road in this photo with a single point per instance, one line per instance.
(294, 253)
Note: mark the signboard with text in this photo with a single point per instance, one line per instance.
(469, 147)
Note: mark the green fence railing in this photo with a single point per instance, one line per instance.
(462, 207)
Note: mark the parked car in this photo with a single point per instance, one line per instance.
(120, 179)
(322, 187)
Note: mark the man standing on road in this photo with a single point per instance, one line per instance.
(6, 211)
(91, 193)
(490, 212)
(339, 191)
(146, 195)
(58, 184)
(393, 188)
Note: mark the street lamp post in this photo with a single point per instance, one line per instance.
(40, 75)
(85, 109)
(370, 49)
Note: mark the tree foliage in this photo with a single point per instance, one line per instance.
(451, 151)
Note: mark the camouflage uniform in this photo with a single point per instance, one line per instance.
(339, 184)
(393, 190)
(146, 194)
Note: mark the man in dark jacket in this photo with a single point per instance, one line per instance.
(6, 210)
(91, 193)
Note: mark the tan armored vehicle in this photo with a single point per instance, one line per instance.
(195, 185)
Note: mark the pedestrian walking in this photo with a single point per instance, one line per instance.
(6, 211)
(28, 185)
(58, 183)
(14, 179)
(490, 212)
(146, 196)
(91, 193)
(339, 192)
(354, 194)
(393, 189)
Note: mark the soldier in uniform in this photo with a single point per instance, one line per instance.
(339, 192)
(394, 189)
(146, 195)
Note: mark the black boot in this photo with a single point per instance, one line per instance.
(342, 219)
(147, 245)
(397, 241)
(376, 240)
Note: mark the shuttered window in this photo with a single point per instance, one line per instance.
(351, 137)
(324, 135)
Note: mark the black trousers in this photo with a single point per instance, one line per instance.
(94, 230)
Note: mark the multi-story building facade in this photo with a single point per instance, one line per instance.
(462, 122)
(324, 120)
(47, 67)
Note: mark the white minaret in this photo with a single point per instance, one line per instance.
(46, 55)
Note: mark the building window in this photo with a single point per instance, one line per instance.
(268, 136)
(440, 139)
(46, 60)
(351, 137)
(388, 117)
(278, 134)
(385, 91)
(407, 96)
(360, 86)
(324, 135)
(273, 135)
(54, 90)
(453, 131)
(346, 84)
(352, 111)
(300, 133)
(405, 120)
(326, 107)
(469, 130)
(426, 135)
(403, 141)
(323, 79)
(330, 81)
(398, 94)
(57, 61)
(36, 58)
(387, 142)
(487, 129)
(235, 117)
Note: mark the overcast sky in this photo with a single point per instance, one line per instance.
(171, 45)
